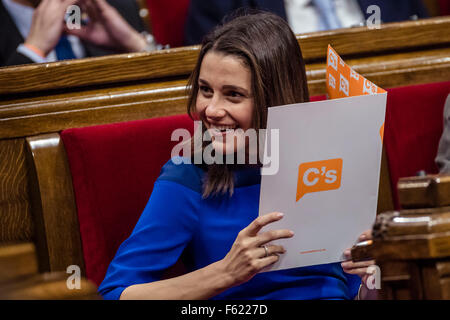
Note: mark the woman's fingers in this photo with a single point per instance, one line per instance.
(271, 235)
(271, 250)
(348, 254)
(248, 254)
(256, 225)
(359, 271)
(359, 264)
(366, 235)
(267, 261)
(357, 268)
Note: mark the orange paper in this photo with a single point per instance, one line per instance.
(342, 81)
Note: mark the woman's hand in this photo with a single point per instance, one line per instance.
(360, 268)
(248, 256)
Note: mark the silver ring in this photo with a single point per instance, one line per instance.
(267, 251)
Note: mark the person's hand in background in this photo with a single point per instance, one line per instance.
(107, 28)
(47, 25)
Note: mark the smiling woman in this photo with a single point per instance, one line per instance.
(244, 67)
(225, 101)
(209, 212)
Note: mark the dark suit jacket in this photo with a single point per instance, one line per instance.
(10, 37)
(205, 15)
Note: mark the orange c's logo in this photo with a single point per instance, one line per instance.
(319, 176)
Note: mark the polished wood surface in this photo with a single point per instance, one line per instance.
(15, 213)
(55, 112)
(57, 235)
(427, 231)
(415, 192)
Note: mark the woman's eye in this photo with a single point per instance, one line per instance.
(205, 89)
(235, 94)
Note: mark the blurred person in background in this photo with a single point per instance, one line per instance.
(34, 31)
(302, 15)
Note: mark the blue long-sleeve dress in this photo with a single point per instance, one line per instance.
(177, 219)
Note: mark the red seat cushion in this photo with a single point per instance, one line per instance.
(113, 169)
(414, 123)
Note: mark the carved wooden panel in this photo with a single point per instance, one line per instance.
(15, 219)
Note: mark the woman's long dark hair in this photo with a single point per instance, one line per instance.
(266, 45)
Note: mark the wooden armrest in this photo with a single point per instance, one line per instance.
(363, 251)
(428, 191)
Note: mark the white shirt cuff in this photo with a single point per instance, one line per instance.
(30, 54)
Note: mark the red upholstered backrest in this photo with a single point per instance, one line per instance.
(167, 20)
(414, 123)
(113, 169)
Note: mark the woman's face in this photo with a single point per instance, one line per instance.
(225, 100)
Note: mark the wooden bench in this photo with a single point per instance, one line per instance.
(38, 101)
